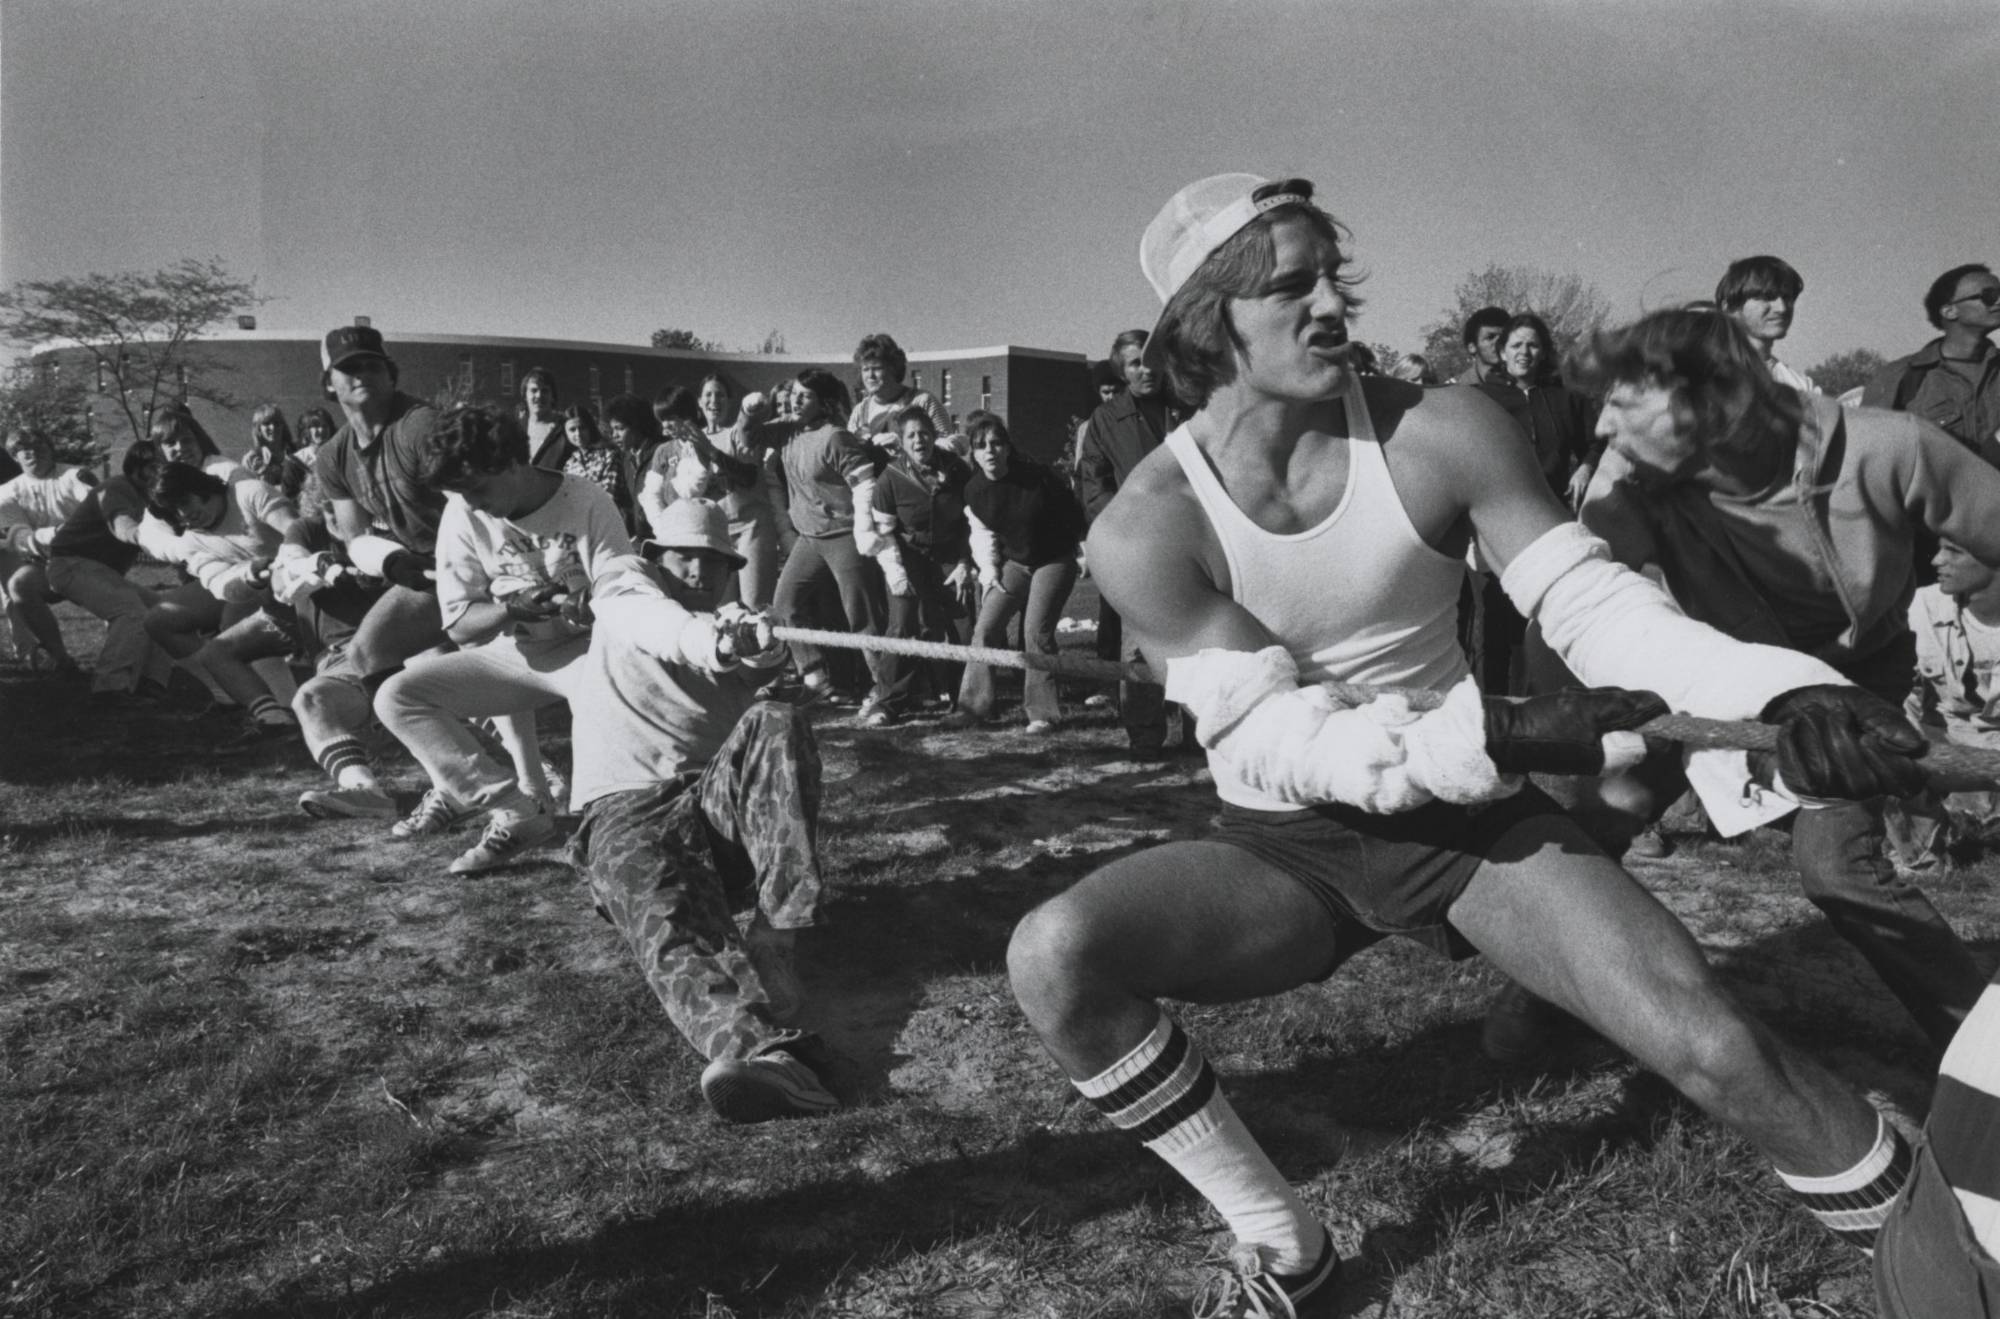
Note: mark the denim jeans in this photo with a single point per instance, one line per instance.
(928, 613)
(1042, 592)
(815, 561)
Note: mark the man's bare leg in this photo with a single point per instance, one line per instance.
(1567, 923)
(1203, 922)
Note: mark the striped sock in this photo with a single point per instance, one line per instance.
(1164, 1094)
(267, 710)
(1854, 1204)
(342, 755)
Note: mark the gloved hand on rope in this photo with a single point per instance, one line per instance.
(1839, 743)
(1585, 730)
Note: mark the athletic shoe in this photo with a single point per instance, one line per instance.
(1648, 846)
(1037, 727)
(874, 714)
(1519, 1026)
(1096, 701)
(770, 1085)
(347, 804)
(1250, 1291)
(435, 814)
(771, 952)
(506, 837)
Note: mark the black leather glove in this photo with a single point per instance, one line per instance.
(1841, 742)
(407, 568)
(1563, 733)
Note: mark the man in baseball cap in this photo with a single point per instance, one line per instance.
(1306, 527)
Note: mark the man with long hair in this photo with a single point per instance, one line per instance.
(1306, 527)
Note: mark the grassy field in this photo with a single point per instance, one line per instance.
(251, 1064)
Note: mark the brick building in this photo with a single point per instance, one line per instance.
(1037, 390)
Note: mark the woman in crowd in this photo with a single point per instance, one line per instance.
(92, 551)
(1560, 423)
(634, 435)
(919, 511)
(682, 465)
(179, 437)
(597, 459)
(1026, 527)
(271, 444)
(548, 446)
(753, 495)
(315, 427)
(883, 364)
(829, 474)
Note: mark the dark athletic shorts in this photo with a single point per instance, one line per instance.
(1379, 875)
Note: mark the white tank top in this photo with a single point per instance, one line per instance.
(1358, 598)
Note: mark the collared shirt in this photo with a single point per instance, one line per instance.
(1786, 374)
(1479, 374)
(928, 504)
(1965, 403)
(383, 477)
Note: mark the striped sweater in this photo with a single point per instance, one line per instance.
(1964, 1126)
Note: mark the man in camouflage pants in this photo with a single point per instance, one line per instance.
(698, 799)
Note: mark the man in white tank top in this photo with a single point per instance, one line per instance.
(1300, 529)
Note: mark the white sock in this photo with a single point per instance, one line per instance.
(1854, 1204)
(1164, 1093)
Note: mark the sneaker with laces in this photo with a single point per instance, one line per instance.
(772, 953)
(347, 804)
(1249, 1290)
(435, 814)
(1037, 727)
(506, 837)
(770, 1085)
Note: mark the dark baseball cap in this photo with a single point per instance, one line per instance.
(349, 342)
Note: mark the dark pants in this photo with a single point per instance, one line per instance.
(816, 561)
(929, 613)
(1041, 593)
(668, 865)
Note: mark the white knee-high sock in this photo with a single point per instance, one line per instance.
(1164, 1093)
(1854, 1204)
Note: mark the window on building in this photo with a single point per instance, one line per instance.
(630, 388)
(181, 379)
(596, 382)
(944, 386)
(507, 379)
(917, 381)
(986, 391)
(465, 377)
(100, 375)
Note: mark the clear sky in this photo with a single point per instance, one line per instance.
(967, 172)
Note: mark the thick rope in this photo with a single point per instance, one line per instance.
(1952, 768)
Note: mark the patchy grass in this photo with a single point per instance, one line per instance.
(253, 1065)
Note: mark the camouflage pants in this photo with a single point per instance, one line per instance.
(668, 864)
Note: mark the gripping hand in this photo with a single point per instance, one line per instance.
(410, 569)
(1581, 731)
(746, 635)
(1841, 743)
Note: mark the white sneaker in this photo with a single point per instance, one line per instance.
(771, 952)
(506, 837)
(435, 814)
(347, 804)
(770, 1085)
